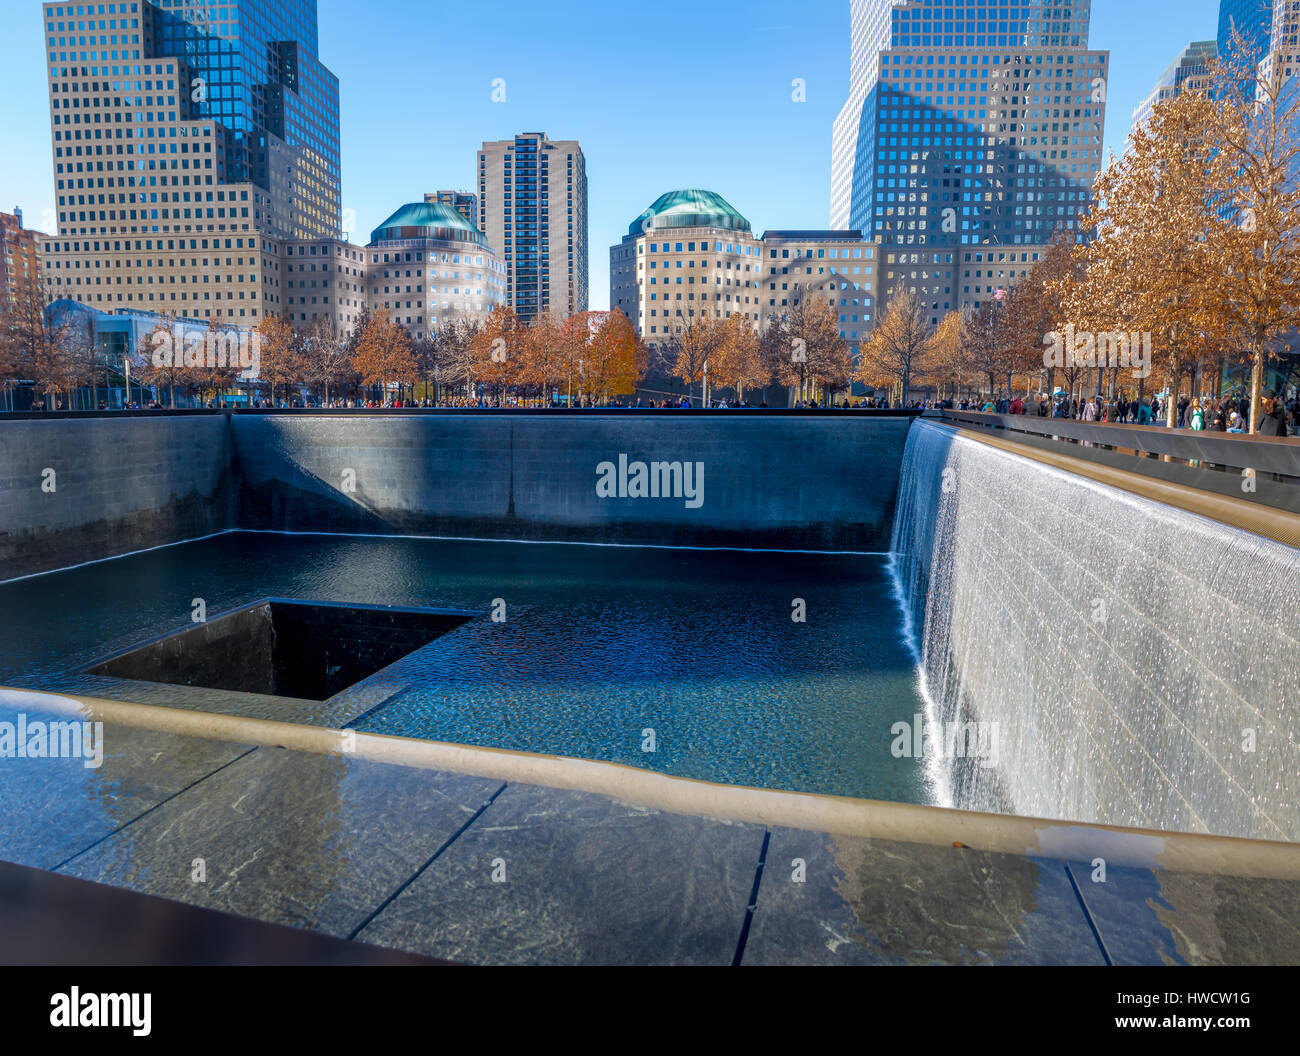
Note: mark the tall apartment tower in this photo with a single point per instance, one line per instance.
(193, 140)
(971, 134)
(20, 253)
(532, 201)
(463, 202)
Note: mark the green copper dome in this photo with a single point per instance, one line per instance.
(690, 208)
(428, 220)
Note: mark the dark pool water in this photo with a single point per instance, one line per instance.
(603, 650)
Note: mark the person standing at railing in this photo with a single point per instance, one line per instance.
(1217, 420)
(1273, 420)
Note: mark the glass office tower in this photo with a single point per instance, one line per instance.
(261, 78)
(192, 142)
(1245, 27)
(972, 133)
(247, 69)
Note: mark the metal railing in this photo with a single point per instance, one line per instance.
(1263, 469)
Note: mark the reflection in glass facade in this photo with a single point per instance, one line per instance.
(244, 73)
(261, 79)
(1245, 27)
(1190, 69)
(192, 141)
(972, 132)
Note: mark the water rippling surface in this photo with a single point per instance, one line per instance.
(603, 650)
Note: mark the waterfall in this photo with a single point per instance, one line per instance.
(1138, 664)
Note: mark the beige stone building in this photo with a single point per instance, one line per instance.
(427, 266)
(688, 256)
(691, 255)
(323, 279)
(177, 188)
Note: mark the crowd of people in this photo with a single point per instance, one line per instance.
(469, 403)
(1227, 414)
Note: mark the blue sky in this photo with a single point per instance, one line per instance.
(662, 95)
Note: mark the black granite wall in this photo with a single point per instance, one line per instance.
(811, 482)
(77, 488)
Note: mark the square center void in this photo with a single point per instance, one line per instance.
(285, 648)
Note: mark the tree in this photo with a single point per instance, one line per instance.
(214, 377)
(328, 357)
(281, 354)
(543, 365)
(497, 350)
(1258, 144)
(574, 337)
(700, 341)
(738, 363)
(1035, 307)
(163, 357)
(985, 343)
(1155, 261)
(382, 354)
(57, 357)
(616, 357)
(948, 361)
(829, 364)
(902, 344)
(454, 349)
(803, 348)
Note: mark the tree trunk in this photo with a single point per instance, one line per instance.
(1256, 390)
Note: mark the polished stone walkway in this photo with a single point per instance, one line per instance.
(487, 872)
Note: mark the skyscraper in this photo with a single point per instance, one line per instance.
(462, 201)
(193, 139)
(533, 209)
(20, 253)
(972, 132)
(1279, 62)
(1190, 69)
(1245, 27)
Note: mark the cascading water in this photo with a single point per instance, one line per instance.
(1137, 664)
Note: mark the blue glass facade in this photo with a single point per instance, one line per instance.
(254, 69)
(970, 124)
(1253, 22)
(1245, 27)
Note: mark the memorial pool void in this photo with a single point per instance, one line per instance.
(1136, 656)
(773, 670)
(1137, 659)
